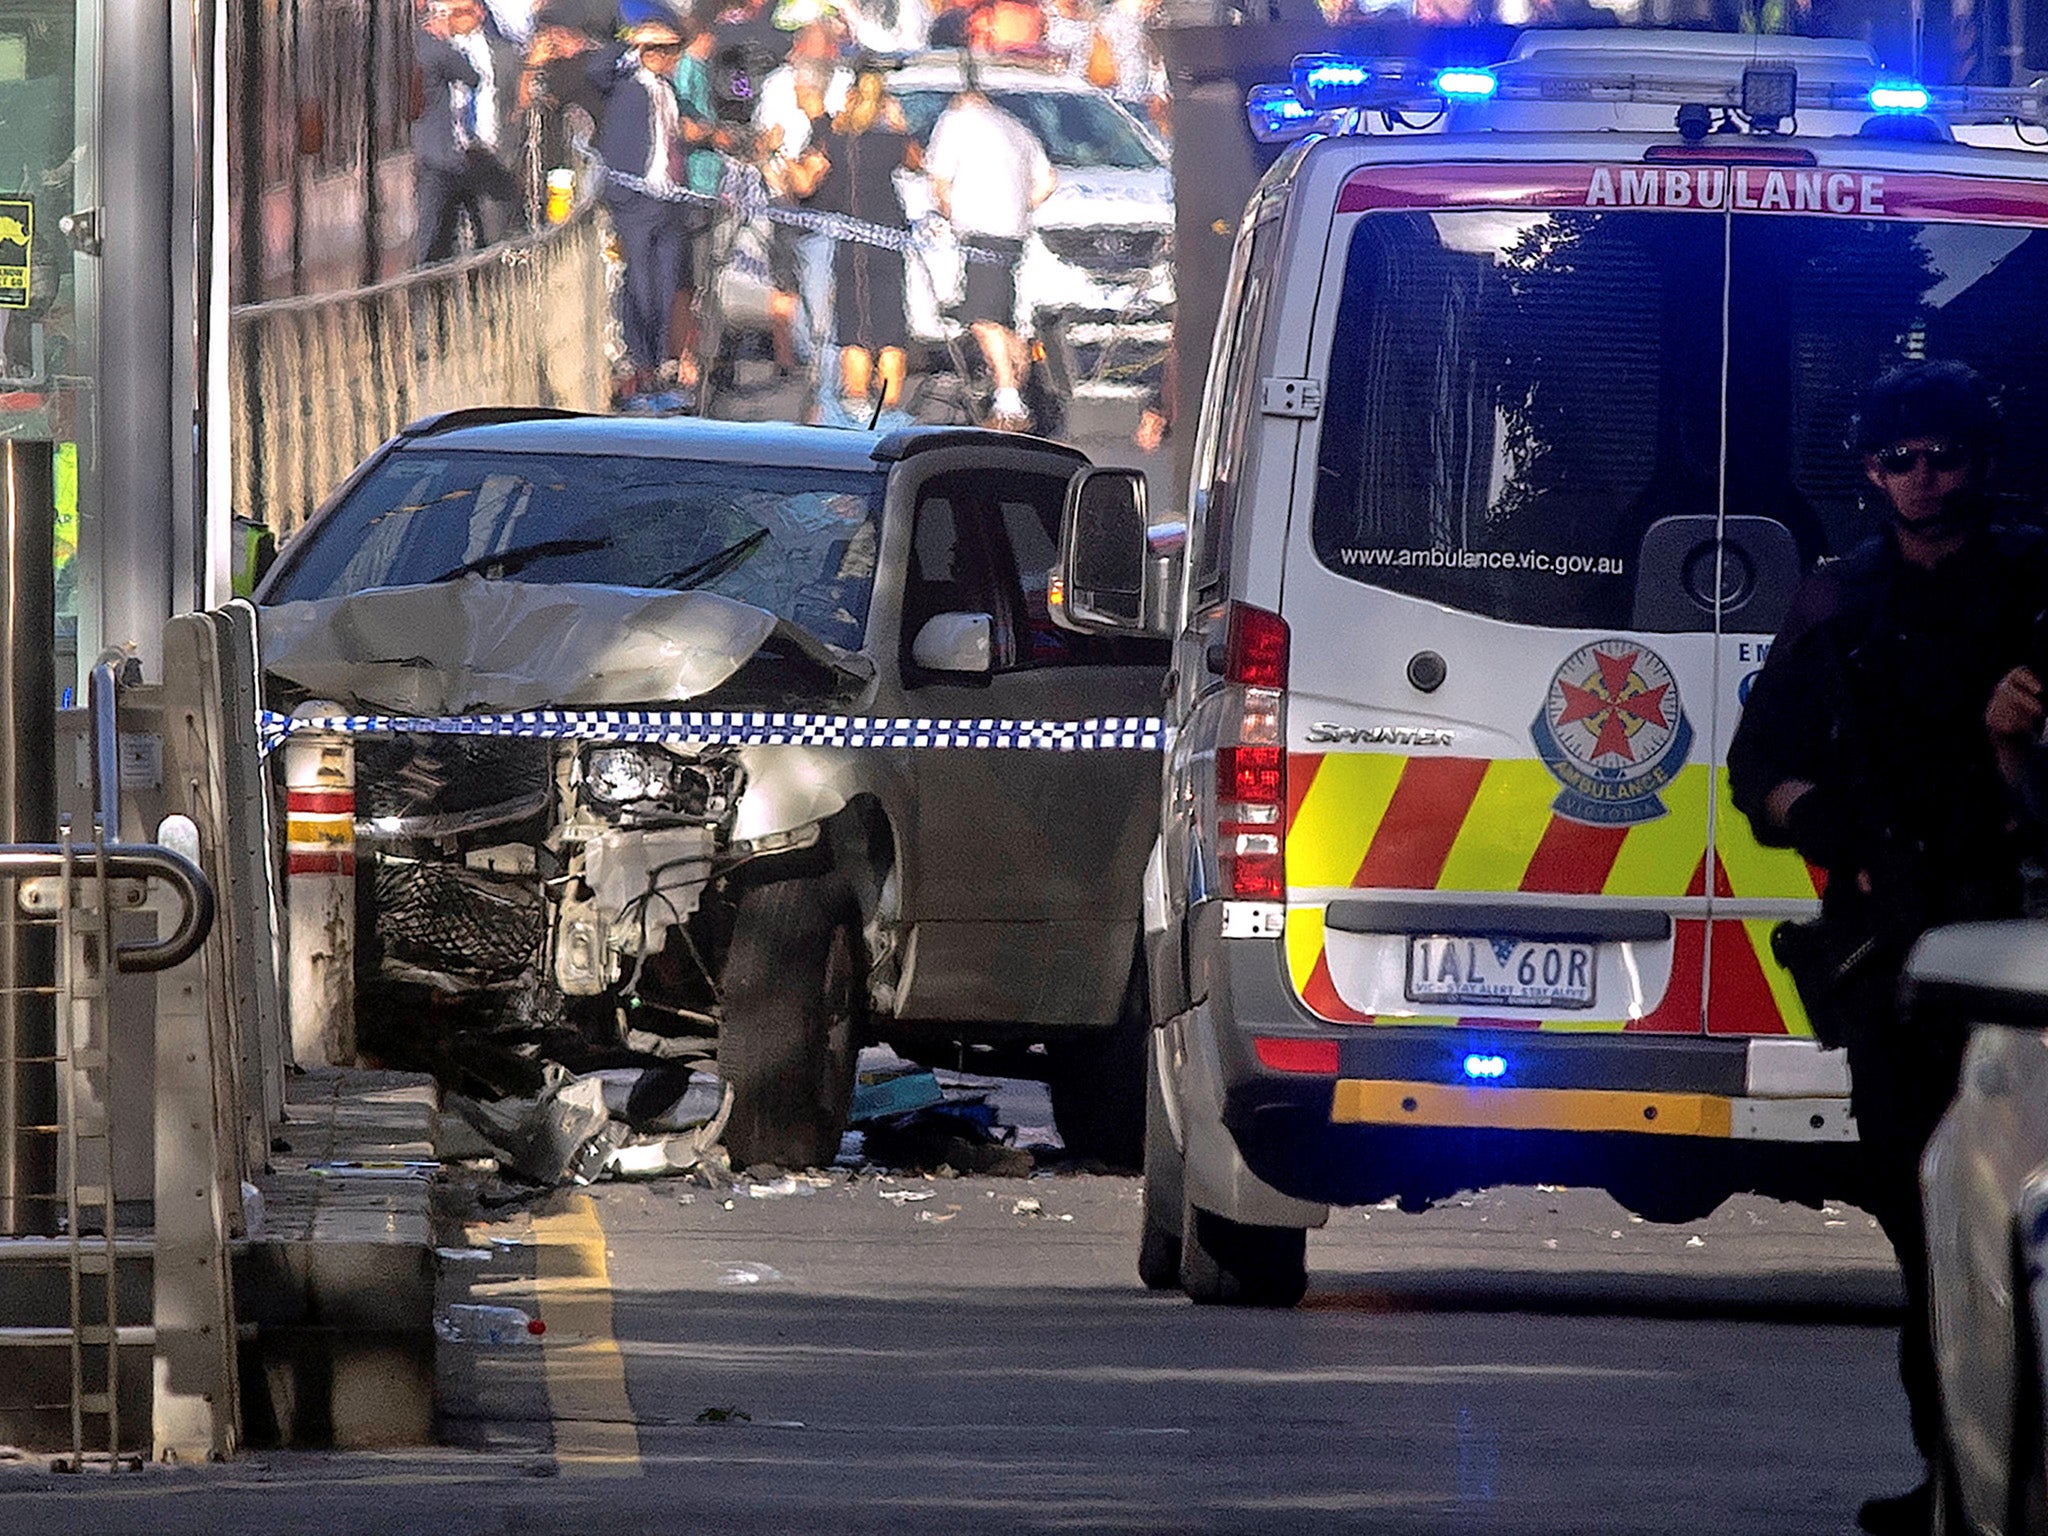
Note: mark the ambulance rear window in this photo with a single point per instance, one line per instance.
(1515, 398)
(1512, 399)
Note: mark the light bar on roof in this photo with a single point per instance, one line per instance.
(1329, 84)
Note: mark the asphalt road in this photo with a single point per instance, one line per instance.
(908, 1354)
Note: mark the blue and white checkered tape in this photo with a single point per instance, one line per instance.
(742, 728)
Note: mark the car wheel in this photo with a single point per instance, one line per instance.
(795, 993)
(1228, 1263)
(1098, 1084)
(1159, 1246)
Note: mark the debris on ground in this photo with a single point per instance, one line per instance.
(474, 1323)
(725, 1416)
(879, 1095)
(569, 1133)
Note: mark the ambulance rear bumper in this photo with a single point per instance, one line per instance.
(1433, 1109)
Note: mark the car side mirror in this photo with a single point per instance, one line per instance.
(1104, 558)
(955, 642)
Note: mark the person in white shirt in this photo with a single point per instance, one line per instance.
(988, 175)
(812, 85)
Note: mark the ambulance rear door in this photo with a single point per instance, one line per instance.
(1501, 699)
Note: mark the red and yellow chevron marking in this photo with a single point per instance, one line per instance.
(1367, 820)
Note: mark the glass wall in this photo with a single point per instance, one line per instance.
(48, 308)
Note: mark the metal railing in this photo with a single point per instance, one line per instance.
(318, 382)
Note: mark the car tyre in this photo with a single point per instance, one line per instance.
(1098, 1084)
(1164, 1203)
(1229, 1263)
(795, 995)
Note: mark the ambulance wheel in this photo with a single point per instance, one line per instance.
(1160, 1243)
(795, 987)
(1227, 1263)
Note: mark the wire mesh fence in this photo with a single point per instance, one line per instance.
(318, 382)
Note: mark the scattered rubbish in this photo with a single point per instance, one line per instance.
(1695, 1242)
(748, 1274)
(1834, 1223)
(566, 1133)
(544, 1137)
(775, 1189)
(1030, 1206)
(879, 1095)
(509, 1242)
(937, 1216)
(1614, 1234)
(725, 1416)
(684, 1197)
(904, 1196)
(470, 1323)
(1635, 1218)
(373, 1170)
(1550, 1189)
(1395, 1205)
(1550, 1242)
(464, 1255)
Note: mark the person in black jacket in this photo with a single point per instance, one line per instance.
(1882, 740)
(470, 134)
(644, 140)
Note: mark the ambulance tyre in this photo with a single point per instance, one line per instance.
(795, 987)
(1227, 1263)
(1159, 1244)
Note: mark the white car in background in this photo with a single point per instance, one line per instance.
(1098, 269)
(1099, 263)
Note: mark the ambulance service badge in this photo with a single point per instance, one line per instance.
(1613, 732)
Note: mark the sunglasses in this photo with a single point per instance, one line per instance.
(1902, 461)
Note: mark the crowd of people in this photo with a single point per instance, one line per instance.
(696, 111)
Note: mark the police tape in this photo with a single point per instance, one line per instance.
(745, 197)
(739, 728)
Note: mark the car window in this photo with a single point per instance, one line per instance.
(1080, 131)
(1231, 405)
(800, 543)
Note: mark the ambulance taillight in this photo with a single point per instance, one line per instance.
(1251, 757)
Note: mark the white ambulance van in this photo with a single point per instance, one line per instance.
(1527, 411)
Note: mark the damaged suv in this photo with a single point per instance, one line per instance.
(769, 905)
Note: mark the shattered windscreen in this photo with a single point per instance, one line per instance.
(799, 543)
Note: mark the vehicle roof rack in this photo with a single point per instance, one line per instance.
(903, 444)
(485, 416)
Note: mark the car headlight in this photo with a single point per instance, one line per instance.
(623, 775)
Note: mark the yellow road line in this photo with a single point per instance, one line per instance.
(595, 1434)
(1362, 1102)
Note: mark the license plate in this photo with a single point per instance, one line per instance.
(1522, 973)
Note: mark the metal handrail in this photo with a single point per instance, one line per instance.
(129, 861)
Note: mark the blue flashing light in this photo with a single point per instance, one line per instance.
(1898, 96)
(1276, 114)
(1458, 84)
(1486, 1069)
(1327, 80)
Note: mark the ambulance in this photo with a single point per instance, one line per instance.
(1528, 409)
